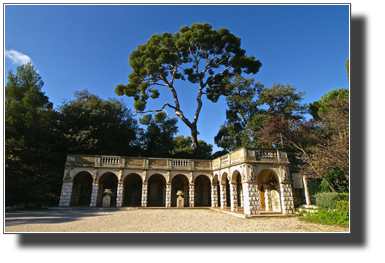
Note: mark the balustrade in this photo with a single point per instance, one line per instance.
(109, 160)
(180, 163)
(266, 153)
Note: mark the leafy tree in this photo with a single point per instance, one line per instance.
(249, 104)
(91, 125)
(183, 148)
(199, 54)
(320, 107)
(158, 139)
(33, 157)
(25, 103)
(322, 146)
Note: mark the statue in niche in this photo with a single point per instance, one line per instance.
(191, 177)
(68, 173)
(95, 176)
(145, 177)
(251, 176)
(168, 177)
(120, 175)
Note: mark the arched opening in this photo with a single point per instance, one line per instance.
(202, 191)
(238, 180)
(81, 189)
(269, 192)
(108, 181)
(156, 191)
(179, 183)
(225, 182)
(132, 193)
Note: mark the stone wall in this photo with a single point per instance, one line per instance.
(244, 164)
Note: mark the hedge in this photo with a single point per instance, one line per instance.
(343, 207)
(328, 201)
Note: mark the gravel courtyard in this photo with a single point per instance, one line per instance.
(152, 220)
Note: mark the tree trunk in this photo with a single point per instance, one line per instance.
(329, 184)
(194, 138)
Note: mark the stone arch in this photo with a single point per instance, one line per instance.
(156, 173)
(269, 190)
(225, 183)
(108, 180)
(179, 182)
(215, 179)
(132, 190)
(81, 189)
(156, 190)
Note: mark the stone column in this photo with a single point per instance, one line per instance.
(306, 188)
(168, 195)
(66, 193)
(191, 195)
(94, 193)
(223, 196)
(268, 205)
(287, 199)
(233, 197)
(241, 196)
(251, 198)
(214, 195)
(119, 195)
(144, 194)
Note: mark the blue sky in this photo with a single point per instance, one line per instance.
(76, 47)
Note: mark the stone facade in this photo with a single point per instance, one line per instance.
(248, 180)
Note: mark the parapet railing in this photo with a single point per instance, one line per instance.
(137, 162)
(246, 154)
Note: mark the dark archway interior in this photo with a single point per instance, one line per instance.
(82, 189)
(202, 191)
(156, 191)
(132, 190)
(180, 183)
(108, 181)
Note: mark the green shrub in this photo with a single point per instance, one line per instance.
(327, 218)
(328, 201)
(333, 209)
(343, 207)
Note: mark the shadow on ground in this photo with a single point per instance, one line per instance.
(22, 217)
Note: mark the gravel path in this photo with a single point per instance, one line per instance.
(152, 220)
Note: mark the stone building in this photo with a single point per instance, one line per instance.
(249, 180)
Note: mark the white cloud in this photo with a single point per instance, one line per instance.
(16, 57)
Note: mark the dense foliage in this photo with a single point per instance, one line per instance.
(32, 149)
(38, 138)
(249, 105)
(91, 125)
(333, 209)
(198, 54)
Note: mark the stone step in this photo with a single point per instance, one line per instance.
(311, 206)
(307, 208)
